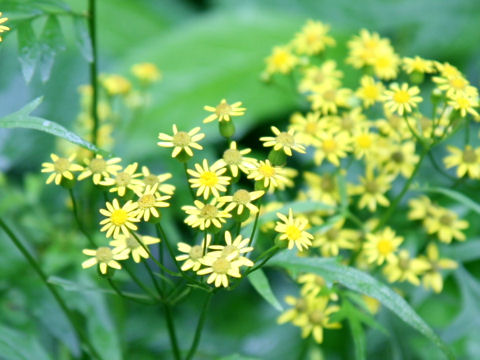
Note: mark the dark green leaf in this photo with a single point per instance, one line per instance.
(358, 338)
(28, 50)
(82, 36)
(259, 281)
(20, 345)
(361, 282)
(455, 195)
(51, 41)
(23, 119)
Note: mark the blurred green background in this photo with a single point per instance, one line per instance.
(207, 50)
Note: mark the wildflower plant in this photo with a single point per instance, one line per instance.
(325, 199)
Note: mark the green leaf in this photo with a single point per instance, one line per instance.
(455, 195)
(342, 189)
(23, 119)
(28, 49)
(51, 41)
(358, 338)
(462, 252)
(20, 345)
(361, 282)
(82, 37)
(259, 281)
(237, 357)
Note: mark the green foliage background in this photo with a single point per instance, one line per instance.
(207, 50)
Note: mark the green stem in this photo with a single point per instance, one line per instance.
(93, 70)
(438, 168)
(198, 330)
(355, 219)
(141, 284)
(255, 223)
(271, 252)
(185, 168)
(154, 280)
(119, 292)
(33, 263)
(171, 331)
(77, 219)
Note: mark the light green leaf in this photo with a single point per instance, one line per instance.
(20, 345)
(358, 338)
(82, 37)
(23, 119)
(342, 189)
(455, 195)
(259, 281)
(51, 41)
(237, 357)
(361, 282)
(28, 50)
(462, 252)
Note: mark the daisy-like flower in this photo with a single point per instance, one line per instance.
(432, 279)
(327, 99)
(317, 76)
(181, 141)
(192, 255)
(372, 190)
(148, 201)
(105, 257)
(150, 179)
(129, 244)
(308, 127)
(334, 239)
(146, 72)
(401, 99)
(242, 199)
(466, 160)
(235, 159)
(205, 215)
(401, 158)
(298, 310)
(370, 91)
(282, 60)
(333, 146)
(420, 208)
(220, 269)
(233, 249)
(123, 180)
(464, 103)
(385, 64)
(60, 168)
(418, 64)
(98, 167)
(208, 179)
(115, 84)
(446, 225)
(404, 268)
(293, 230)
(381, 246)
(318, 318)
(283, 140)
(272, 177)
(365, 47)
(452, 82)
(119, 218)
(3, 28)
(322, 188)
(365, 143)
(224, 111)
(313, 38)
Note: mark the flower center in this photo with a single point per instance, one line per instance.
(371, 187)
(316, 317)
(293, 232)
(119, 217)
(241, 197)
(458, 83)
(398, 157)
(132, 243)
(150, 180)
(330, 95)
(209, 179)
(181, 139)
(332, 234)
(61, 165)
(232, 157)
(221, 266)
(98, 165)
(266, 170)
(285, 139)
(146, 201)
(104, 254)
(364, 141)
(196, 252)
(446, 220)
(223, 109)
(319, 77)
(401, 97)
(329, 145)
(385, 246)
(228, 250)
(327, 184)
(209, 211)
(280, 58)
(301, 305)
(469, 156)
(371, 92)
(123, 178)
(311, 127)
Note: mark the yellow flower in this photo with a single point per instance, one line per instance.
(129, 244)
(204, 215)
(446, 225)
(150, 179)
(181, 141)
(385, 64)
(464, 103)
(401, 99)
(60, 168)
(322, 188)
(314, 77)
(403, 268)
(372, 190)
(233, 249)
(370, 91)
(116, 84)
(282, 60)
(401, 158)
(236, 160)
(98, 167)
(146, 72)
(224, 111)
(312, 284)
(148, 201)
(333, 146)
(447, 70)
(123, 180)
(192, 255)
(119, 218)
(365, 143)
(293, 230)
(272, 177)
(105, 258)
(3, 28)
(453, 83)
(220, 268)
(363, 49)
(283, 140)
(467, 161)
(209, 179)
(420, 208)
(418, 64)
(432, 279)
(242, 199)
(313, 38)
(334, 239)
(381, 246)
(327, 99)
(298, 310)
(308, 127)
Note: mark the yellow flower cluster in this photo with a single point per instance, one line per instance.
(3, 28)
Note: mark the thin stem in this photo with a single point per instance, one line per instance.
(119, 292)
(438, 168)
(93, 70)
(268, 257)
(185, 168)
(77, 219)
(198, 330)
(255, 223)
(154, 280)
(33, 263)
(171, 331)
(141, 284)
(355, 219)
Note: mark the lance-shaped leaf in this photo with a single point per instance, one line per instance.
(28, 49)
(50, 43)
(259, 281)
